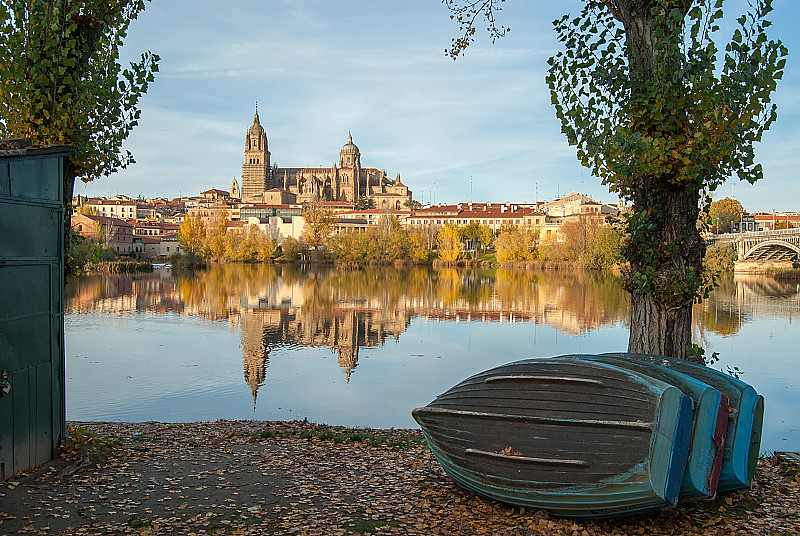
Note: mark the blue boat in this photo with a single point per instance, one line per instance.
(710, 424)
(579, 439)
(743, 437)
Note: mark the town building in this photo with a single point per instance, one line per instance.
(112, 232)
(345, 181)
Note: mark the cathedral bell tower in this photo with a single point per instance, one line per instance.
(256, 167)
(350, 169)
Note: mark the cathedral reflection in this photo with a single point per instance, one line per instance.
(344, 332)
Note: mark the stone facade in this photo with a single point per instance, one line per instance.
(345, 181)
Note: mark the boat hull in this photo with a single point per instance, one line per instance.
(709, 425)
(743, 435)
(582, 440)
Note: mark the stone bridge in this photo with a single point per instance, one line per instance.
(780, 245)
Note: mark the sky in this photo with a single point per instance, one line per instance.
(480, 128)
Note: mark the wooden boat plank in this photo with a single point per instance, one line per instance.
(609, 465)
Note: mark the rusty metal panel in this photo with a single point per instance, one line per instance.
(5, 182)
(20, 297)
(22, 386)
(31, 308)
(32, 178)
(27, 230)
(25, 343)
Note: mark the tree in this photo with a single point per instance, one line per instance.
(577, 235)
(363, 203)
(62, 82)
(516, 245)
(319, 225)
(449, 242)
(412, 204)
(192, 234)
(724, 214)
(216, 232)
(661, 119)
(486, 236)
(606, 247)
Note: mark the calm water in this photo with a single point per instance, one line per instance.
(363, 348)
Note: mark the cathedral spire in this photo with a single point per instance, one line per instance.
(255, 119)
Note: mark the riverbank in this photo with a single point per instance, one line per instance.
(253, 477)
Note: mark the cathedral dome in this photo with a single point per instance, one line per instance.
(349, 147)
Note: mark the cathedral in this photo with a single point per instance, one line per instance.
(345, 181)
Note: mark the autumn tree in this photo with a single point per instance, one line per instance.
(192, 234)
(319, 225)
(448, 241)
(662, 111)
(724, 214)
(516, 245)
(62, 82)
(216, 232)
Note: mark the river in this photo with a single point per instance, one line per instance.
(363, 348)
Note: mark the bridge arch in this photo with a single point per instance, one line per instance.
(772, 250)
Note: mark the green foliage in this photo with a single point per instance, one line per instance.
(669, 115)
(363, 203)
(606, 247)
(83, 444)
(720, 258)
(62, 81)
(685, 114)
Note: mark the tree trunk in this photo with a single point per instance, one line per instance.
(656, 329)
(668, 252)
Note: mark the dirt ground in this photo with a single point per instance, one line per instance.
(247, 477)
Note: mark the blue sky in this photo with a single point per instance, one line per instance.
(481, 127)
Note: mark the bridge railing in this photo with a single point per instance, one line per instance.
(753, 234)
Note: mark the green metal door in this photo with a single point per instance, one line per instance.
(32, 417)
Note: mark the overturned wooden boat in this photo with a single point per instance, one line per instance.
(710, 424)
(576, 438)
(743, 437)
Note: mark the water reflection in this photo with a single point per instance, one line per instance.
(362, 348)
(739, 300)
(290, 306)
(345, 311)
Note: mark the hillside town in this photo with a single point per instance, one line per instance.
(148, 228)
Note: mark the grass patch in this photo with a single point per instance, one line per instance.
(136, 523)
(81, 443)
(401, 440)
(361, 524)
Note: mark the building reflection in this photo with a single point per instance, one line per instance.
(277, 308)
